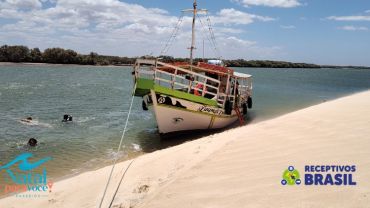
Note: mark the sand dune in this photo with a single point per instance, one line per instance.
(239, 168)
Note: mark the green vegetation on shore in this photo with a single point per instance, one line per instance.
(58, 56)
(20, 53)
(251, 63)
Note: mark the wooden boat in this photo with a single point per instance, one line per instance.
(192, 96)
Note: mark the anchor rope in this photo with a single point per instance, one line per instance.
(119, 184)
(116, 158)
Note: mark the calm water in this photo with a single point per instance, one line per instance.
(98, 99)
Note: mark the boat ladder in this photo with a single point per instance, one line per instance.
(240, 116)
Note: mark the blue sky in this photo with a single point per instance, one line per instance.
(313, 31)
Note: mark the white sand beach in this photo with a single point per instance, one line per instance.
(242, 167)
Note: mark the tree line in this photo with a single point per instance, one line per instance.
(249, 63)
(268, 64)
(20, 53)
(58, 56)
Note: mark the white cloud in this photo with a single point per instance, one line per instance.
(350, 18)
(236, 42)
(232, 16)
(108, 15)
(353, 28)
(287, 27)
(270, 3)
(367, 11)
(20, 4)
(240, 48)
(227, 30)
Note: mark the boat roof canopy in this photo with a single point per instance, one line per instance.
(241, 75)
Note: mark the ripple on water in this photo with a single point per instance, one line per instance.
(136, 147)
(35, 123)
(15, 86)
(85, 119)
(112, 154)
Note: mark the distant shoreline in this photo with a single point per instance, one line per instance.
(50, 64)
(24, 55)
(119, 65)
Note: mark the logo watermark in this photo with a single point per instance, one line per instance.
(321, 175)
(25, 181)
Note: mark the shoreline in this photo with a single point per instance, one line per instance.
(50, 64)
(120, 65)
(170, 167)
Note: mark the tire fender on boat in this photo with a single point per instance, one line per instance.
(250, 102)
(228, 107)
(144, 106)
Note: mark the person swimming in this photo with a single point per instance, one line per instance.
(27, 120)
(67, 118)
(32, 142)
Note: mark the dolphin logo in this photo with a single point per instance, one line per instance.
(25, 165)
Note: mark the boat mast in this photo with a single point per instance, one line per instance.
(193, 33)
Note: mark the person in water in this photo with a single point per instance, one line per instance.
(28, 120)
(67, 118)
(32, 142)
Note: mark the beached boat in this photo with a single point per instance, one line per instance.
(192, 96)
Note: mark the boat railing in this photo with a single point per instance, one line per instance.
(145, 73)
(185, 80)
(244, 91)
(222, 98)
(178, 78)
(178, 82)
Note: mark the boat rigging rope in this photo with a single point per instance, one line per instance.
(173, 35)
(211, 38)
(116, 158)
(210, 28)
(213, 35)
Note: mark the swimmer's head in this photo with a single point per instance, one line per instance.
(67, 117)
(29, 118)
(32, 142)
